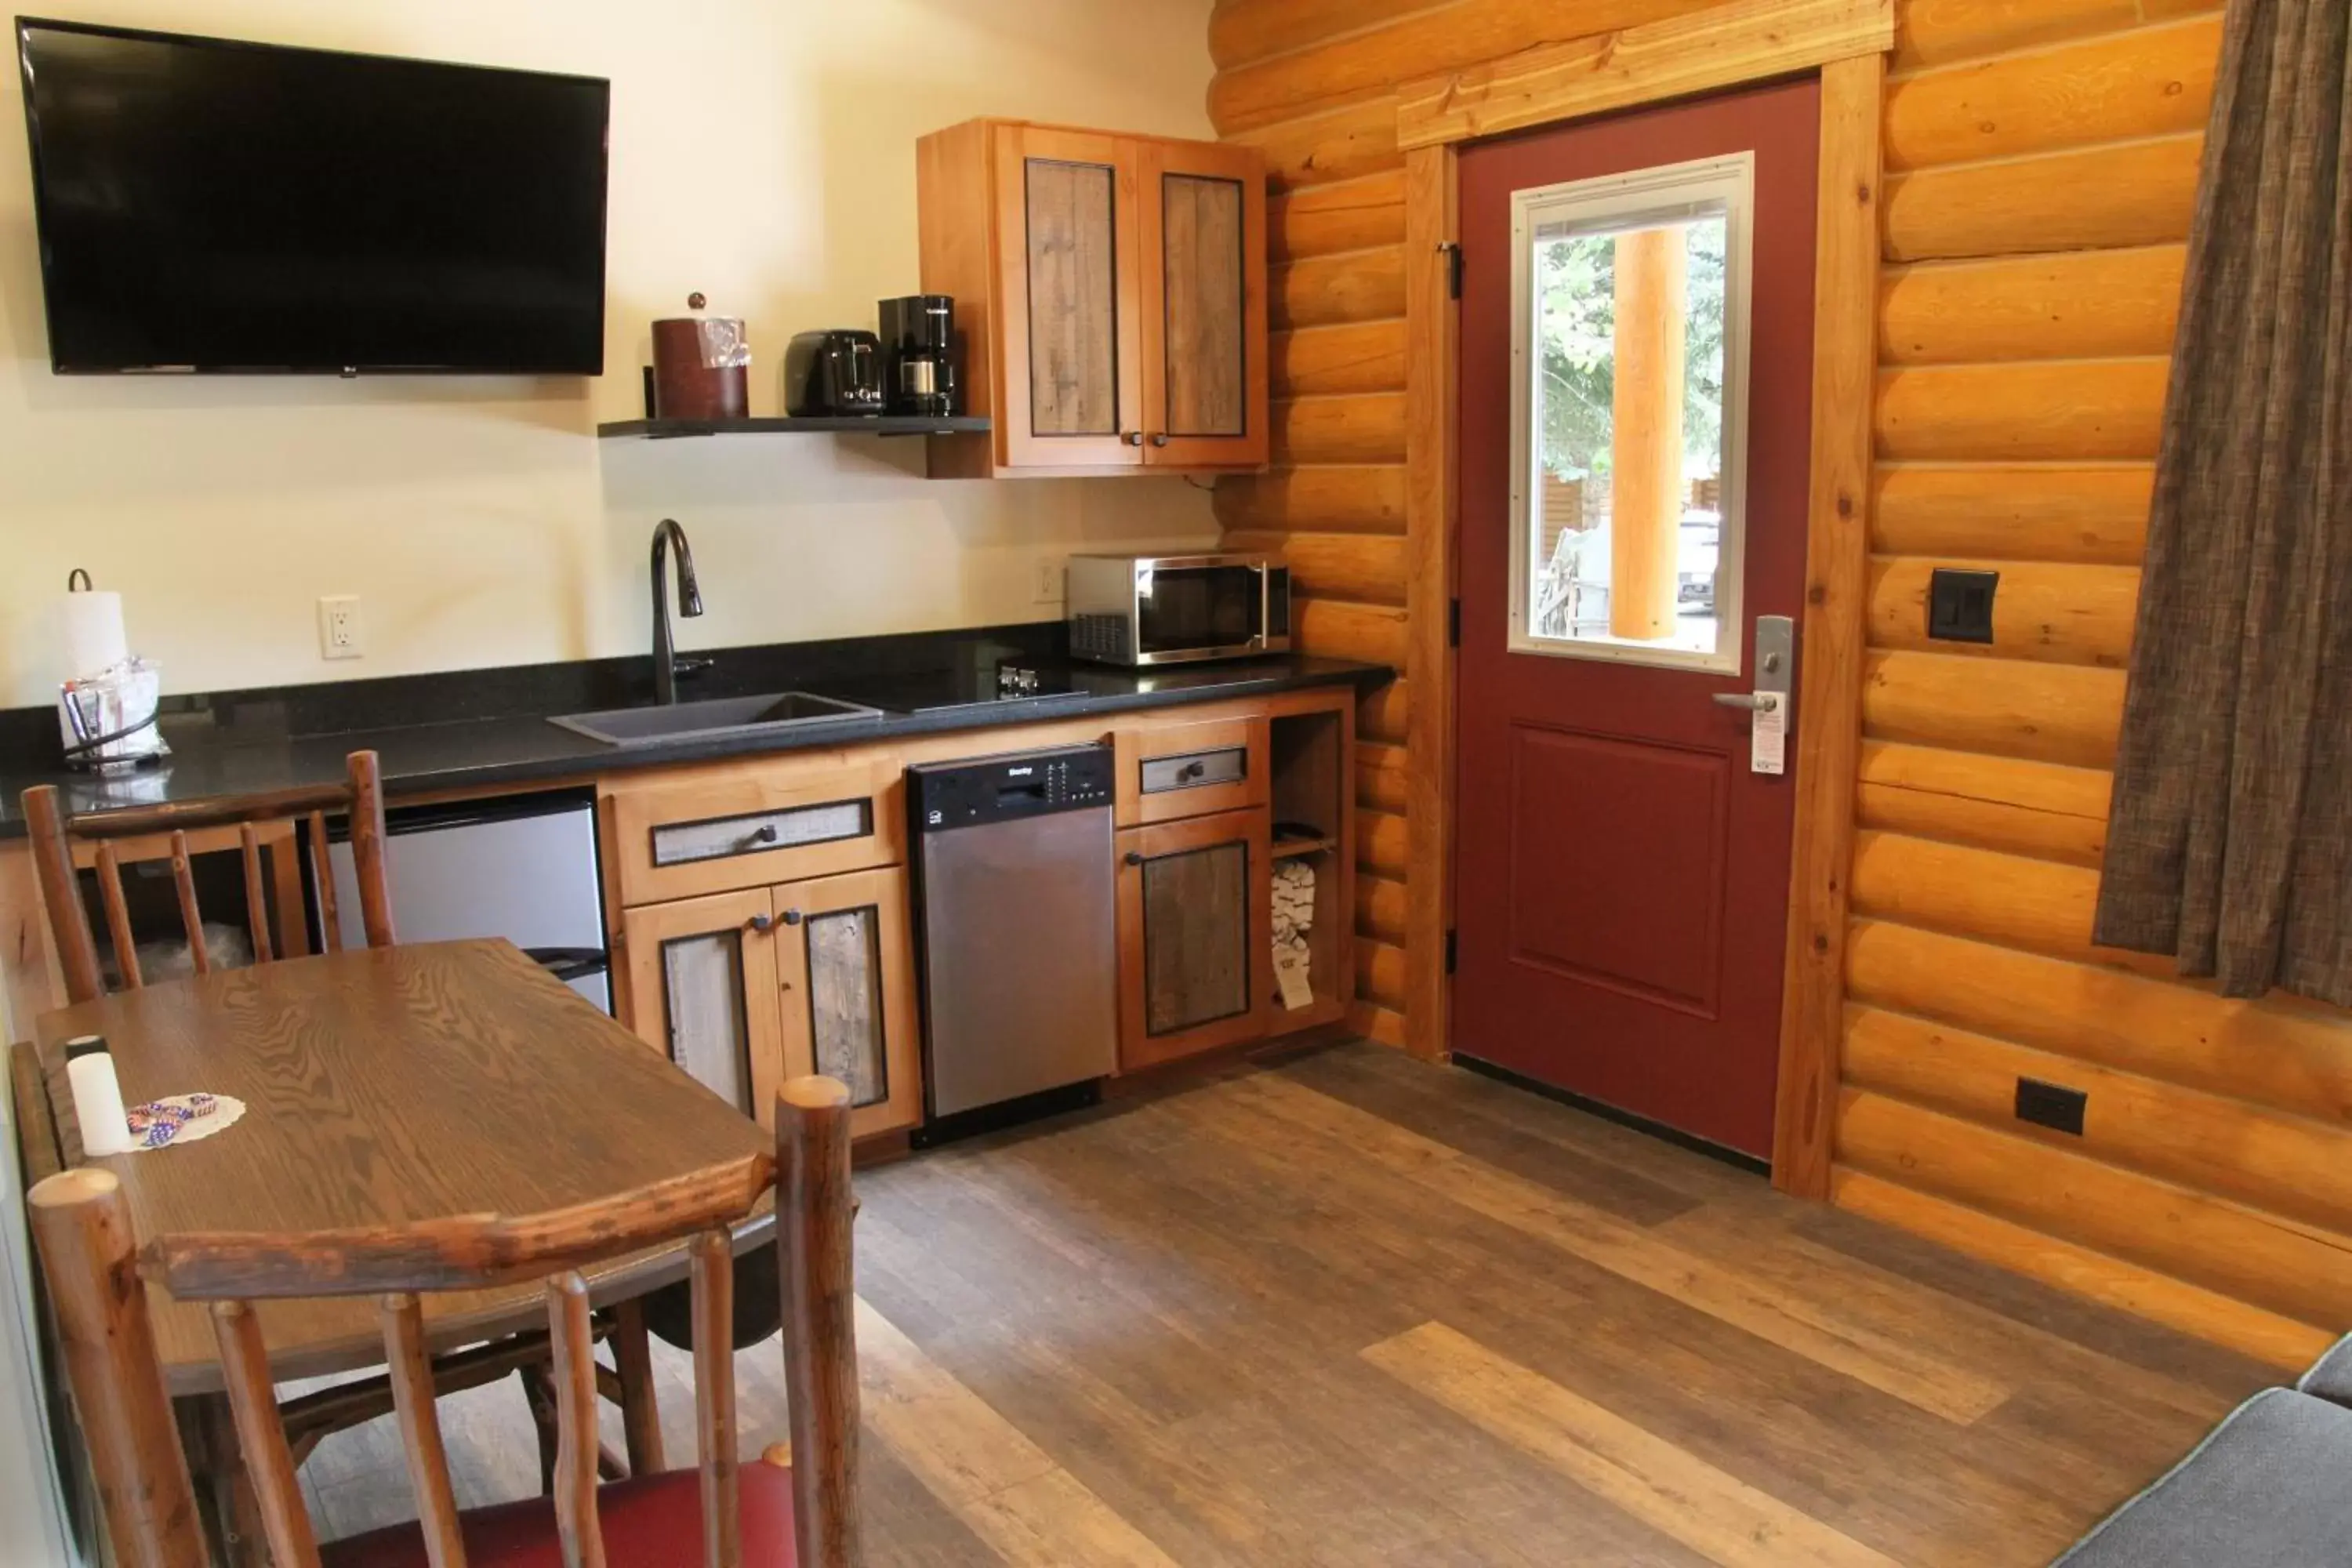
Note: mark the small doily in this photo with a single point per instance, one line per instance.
(181, 1119)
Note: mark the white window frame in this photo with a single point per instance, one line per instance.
(1618, 204)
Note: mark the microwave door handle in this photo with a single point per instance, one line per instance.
(1264, 606)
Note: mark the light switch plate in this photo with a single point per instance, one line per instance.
(1045, 585)
(339, 627)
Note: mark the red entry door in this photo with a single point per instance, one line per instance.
(1636, 386)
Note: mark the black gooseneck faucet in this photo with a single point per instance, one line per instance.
(689, 603)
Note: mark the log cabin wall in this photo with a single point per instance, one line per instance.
(2041, 163)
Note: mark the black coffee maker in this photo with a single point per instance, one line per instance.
(919, 372)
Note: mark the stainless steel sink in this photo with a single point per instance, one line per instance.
(720, 716)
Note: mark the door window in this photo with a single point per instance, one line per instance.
(1629, 396)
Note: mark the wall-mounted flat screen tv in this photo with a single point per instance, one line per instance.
(216, 206)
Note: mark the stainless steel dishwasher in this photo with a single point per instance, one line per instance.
(1018, 903)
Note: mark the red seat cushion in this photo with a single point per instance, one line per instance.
(655, 1521)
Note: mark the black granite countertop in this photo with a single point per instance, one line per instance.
(492, 727)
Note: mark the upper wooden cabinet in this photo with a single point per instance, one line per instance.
(1111, 294)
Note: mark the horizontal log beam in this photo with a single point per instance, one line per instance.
(2045, 712)
(1938, 32)
(2208, 1241)
(1385, 1026)
(2036, 1255)
(2148, 82)
(1242, 31)
(1381, 844)
(1731, 44)
(2207, 1142)
(1359, 500)
(1987, 895)
(1351, 216)
(1379, 973)
(1366, 356)
(1383, 716)
(2287, 1055)
(1353, 285)
(2041, 809)
(1372, 633)
(2089, 304)
(1364, 568)
(1380, 776)
(1347, 144)
(1366, 427)
(2140, 193)
(2042, 612)
(1380, 909)
(2078, 411)
(1376, 58)
(2092, 515)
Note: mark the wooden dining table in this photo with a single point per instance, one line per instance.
(382, 1086)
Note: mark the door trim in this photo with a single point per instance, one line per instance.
(1724, 47)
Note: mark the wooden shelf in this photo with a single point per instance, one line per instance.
(849, 425)
(1284, 849)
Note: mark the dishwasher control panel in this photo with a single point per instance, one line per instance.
(1006, 789)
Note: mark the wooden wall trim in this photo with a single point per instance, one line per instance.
(1432, 357)
(1829, 699)
(1724, 45)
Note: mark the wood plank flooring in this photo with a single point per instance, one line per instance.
(1347, 1308)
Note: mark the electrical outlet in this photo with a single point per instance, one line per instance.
(339, 627)
(1047, 589)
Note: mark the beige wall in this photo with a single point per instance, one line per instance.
(763, 152)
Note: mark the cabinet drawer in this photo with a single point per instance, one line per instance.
(1169, 772)
(750, 825)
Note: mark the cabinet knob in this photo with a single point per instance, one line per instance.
(759, 923)
(1160, 437)
(764, 834)
(1133, 437)
(792, 917)
(1133, 858)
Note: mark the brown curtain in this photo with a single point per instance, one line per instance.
(2230, 844)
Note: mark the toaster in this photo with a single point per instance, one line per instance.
(833, 373)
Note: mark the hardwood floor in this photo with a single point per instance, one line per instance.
(1347, 1308)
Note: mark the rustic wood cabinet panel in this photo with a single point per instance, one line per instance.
(845, 975)
(1204, 300)
(702, 991)
(1193, 902)
(1111, 295)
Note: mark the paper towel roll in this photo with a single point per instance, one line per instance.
(93, 632)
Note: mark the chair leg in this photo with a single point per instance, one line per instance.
(539, 1393)
(640, 1407)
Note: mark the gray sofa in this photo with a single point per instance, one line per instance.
(2269, 1487)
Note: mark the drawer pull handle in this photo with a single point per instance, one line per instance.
(1192, 771)
(792, 917)
(764, 833)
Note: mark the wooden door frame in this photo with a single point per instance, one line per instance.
(1725, 47)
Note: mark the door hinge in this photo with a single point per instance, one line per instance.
(1453, 623)
(1452, 950)
(1453, 252)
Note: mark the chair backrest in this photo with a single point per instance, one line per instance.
(95, 1272)
(53, 835)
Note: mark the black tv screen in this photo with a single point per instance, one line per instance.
(219, 206)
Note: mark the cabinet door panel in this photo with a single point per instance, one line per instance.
(1201, 257)
(1203, 219)
(1194, 972)
(702, 988)
(1072, 391)
(846, 980)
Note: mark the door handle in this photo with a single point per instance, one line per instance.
(792, 917)
(1133, 858)
(1133, 437)
(1754, 701)
(1160, 437)
(760, 922)
(1776, 661)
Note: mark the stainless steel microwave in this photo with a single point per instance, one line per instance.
(1168, 609)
